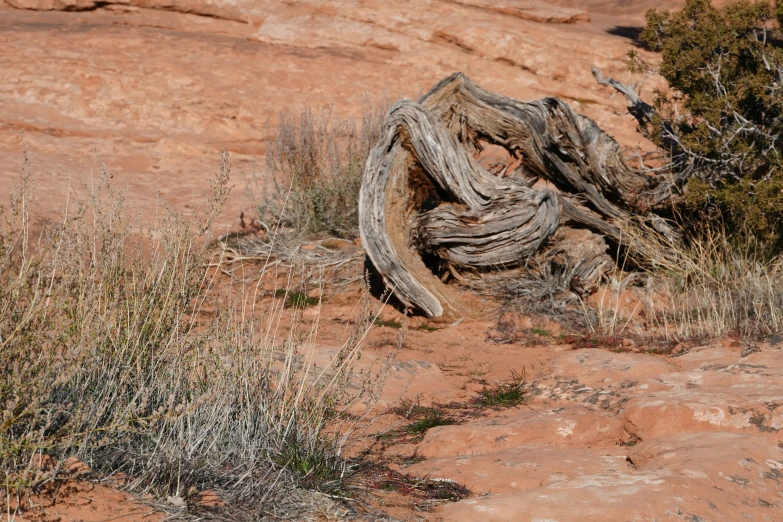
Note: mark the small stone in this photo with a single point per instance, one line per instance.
(177, 501)
(311, 314)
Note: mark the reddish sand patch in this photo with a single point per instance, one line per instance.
(86, 502)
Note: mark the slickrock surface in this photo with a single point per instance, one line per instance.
(625, 436)
(158, 87)
(569, 426)
(603, 435)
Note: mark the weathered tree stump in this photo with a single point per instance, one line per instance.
(429, 210)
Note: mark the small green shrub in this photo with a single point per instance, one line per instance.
(300, 300)
(390, 324)
(426, 328)
(421, 418)
(723, 119)
(429, 418)
(504, 394)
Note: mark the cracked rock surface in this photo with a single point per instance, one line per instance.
(625, 436)
(158, 87)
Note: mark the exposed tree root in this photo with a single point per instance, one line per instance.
(430, 210)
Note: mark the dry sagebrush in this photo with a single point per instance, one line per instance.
(710, 287)
(106, 356)
(314, 171)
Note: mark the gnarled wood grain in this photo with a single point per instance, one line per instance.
(430, 210)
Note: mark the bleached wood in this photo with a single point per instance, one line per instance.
(425, 197)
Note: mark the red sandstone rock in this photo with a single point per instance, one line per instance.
(573, 426)
(523, 467)
(158, 87)
(717, 476)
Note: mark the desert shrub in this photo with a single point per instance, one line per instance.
(722, 119)
(106, 356)
(710, 287)
(314, 171)
(504, 394)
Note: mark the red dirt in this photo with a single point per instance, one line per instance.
(87, 502)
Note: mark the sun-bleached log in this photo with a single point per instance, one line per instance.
(429, 210)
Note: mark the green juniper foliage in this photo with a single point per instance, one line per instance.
(722, 119)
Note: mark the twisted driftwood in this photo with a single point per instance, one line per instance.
(429, 209)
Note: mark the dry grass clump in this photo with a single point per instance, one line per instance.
(106, 356)
(314, 171)
(711, 287)
(537, 290)
(704, 287)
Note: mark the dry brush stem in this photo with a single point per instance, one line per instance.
(119, 346)
(428, 207)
